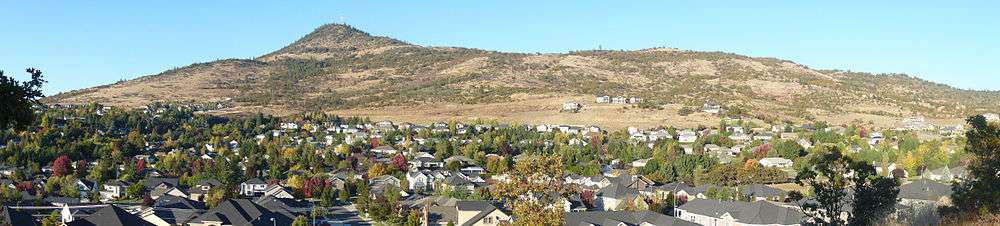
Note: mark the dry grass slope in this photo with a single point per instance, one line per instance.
(340, 69)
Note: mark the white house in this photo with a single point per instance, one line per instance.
(735, 213)
(418, 181)
(687, 136)
(776, 162)
(571, 106)
(603, 99)
(253, 187)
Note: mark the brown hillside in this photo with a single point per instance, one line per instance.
(338, 68)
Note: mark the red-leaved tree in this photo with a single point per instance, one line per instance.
(762, 150)
(61, 166)
(140, 165)
(588, 199)
(399, 162)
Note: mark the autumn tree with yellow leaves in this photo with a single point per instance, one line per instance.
(539, 176)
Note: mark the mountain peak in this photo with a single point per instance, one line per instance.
(332, 40)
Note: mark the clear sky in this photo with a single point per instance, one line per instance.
(80, 44)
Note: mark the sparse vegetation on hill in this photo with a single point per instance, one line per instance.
(338, 67)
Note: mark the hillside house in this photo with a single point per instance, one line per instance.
(712, 108)
(603, 99)
(619, 100)
(687, 136)
(571, 107)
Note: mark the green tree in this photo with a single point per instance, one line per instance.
(413, 219)
(978, 196)
(18, 98)
(343, 196)
(52, 219)
(829, 177)
(535, 174)
(300, 221)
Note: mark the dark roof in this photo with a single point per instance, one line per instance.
(61, 199)
(177, 210)
(924, 189)
(760, 190)
(760, 212)
(254, 181)
(457, 181)
(209, 182)
(154, 181)
(16, 217)
(110, 216)
(170, 201)
(617, 191)
(442, 214)
(117, 183)
(243, 212)
(675, 186)
(285, 206)
(614, 218)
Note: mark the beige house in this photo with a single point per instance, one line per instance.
(471, 213)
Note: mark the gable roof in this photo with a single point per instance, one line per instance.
(760, 190)
(209, 182)
(924, 189)
(174, 202)
(154, 181)
(254, 181)
(617, 191)
(745, 212)
(484, 208)
(110, 216)
(441, 214)
(175, 210)
(16, 217)
(243, 212)
(615, 218)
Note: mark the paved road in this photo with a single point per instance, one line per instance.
(345, 215)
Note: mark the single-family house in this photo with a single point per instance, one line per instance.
(472, 213)
(253, 187)
(776, 162)
(622, 218)
(736, 213)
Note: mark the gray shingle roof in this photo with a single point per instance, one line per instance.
(483, 207)
(110, 216)
(254, 181)
(176, 210)
(243, 212)
(924, 190)
(442, 214)
(614, 218)
(152, 182)
(745, 212)
(18, 217)
(618, 191)
(760, 190)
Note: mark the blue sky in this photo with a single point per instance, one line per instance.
(79, 44)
